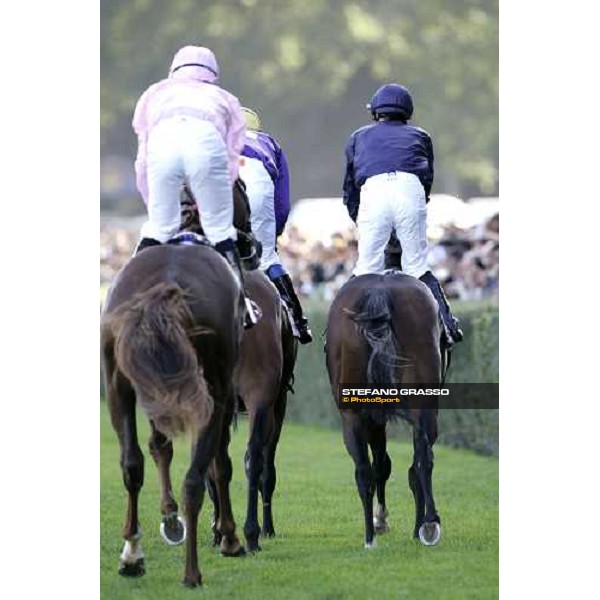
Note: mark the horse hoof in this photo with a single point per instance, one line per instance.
(173, 530)
(381, 526)
(430, 533)
(267, 533)
(253, 548)
(192, 582)
(371, 545)
(232, 550)
(380, 520)
(135, 569)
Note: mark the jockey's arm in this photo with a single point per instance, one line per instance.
(428, 179)
(140, 126)
(351, 190)
(282, 193)
(236, 135)
(141, 172)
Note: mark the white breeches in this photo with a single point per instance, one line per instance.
(392, 201)
(261, 193)
(185, 150)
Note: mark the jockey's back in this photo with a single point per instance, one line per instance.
(182, 95)
(191, 90)
(261, 146)
(387, 146)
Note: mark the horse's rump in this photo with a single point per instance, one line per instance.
(255, 376)
(382, 331)
(373, 316)
(153, 348)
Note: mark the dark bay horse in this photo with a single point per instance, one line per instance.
(263, 378)
(382, 330)
(170, 334)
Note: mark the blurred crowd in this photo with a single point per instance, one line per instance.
(116, 247)
(466, 261)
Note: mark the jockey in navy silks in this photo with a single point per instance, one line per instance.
(388, 180)
(265, 172)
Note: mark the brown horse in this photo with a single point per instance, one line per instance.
(263, 376)
(384, 330)
(171, 331)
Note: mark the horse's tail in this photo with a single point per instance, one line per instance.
(373, 314)
(153, 349)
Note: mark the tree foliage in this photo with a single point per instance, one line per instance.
(310, 66)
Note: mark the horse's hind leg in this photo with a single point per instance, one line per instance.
(261, 425)
(427, 523)
(225, 523)
(121, 401)
(382, 467)
(172, 527)
(356, 443)
(214, 496)
(415, 487)
(267, 488)
(269, 477)
(204, 448)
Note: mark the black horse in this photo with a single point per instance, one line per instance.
(382, 330)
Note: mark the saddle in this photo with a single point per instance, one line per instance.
(249, 248)
(393, 254)
(191, 238)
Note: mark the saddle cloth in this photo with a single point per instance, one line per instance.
(188, 238)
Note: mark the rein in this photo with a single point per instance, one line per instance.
(447, 362)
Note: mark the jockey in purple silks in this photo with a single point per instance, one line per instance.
(265, 172)
(190, 132)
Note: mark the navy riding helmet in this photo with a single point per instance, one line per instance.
(393, 99)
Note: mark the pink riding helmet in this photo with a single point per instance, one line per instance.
(195, 62)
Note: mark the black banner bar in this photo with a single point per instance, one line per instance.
(411, 395)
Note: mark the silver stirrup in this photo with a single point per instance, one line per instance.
(253, 310)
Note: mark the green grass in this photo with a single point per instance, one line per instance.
(319, 549)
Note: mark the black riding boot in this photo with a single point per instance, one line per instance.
(228, 251)
(145, 243)
(285, 287)
(451, 328)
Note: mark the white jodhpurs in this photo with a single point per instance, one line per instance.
(186, 150)
(261, 194)
(392, 201)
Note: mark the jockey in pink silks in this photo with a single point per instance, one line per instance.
(190, 132)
